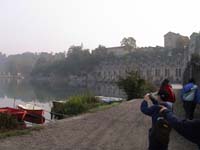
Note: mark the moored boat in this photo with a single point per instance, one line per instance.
(108, 99)
(31, 109)
(34, 113)
(38, 119)
(19, 114)
(56, 108)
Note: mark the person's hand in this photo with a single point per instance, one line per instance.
(146, 97)
(162, 109)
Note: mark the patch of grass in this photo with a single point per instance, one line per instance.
(10, 133)
(8, 122)
(79, 104)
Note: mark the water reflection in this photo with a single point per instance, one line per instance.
(14, 92)
(48, 91)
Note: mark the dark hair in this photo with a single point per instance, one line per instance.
(165, 82)
(191, 80)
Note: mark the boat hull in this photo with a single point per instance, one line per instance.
(19, 114)
(38, 119)
(33, 115)
(32, 111)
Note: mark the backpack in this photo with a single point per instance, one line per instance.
(190, 95)
(168, 89)
(160, 131)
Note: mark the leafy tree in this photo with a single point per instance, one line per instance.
(129, 43)
(134, 86)
(100, 51)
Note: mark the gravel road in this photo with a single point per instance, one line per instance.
(122, 127)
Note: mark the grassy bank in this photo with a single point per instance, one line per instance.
(78, 104)
(17, 132)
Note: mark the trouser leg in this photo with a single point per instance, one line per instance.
(192, 107)
(189, 108)
(186, 107)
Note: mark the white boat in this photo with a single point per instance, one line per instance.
(31, 109)
(109, 99)
(34, 113)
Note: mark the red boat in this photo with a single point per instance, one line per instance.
(19, 114)
(34, 113)
(31, 109)
(34, 118)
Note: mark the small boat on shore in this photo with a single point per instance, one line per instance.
(55, 110)
(34, 118)
(57, 104)
(34, 113)
(109, 99)
(19, 114)
(31, 109)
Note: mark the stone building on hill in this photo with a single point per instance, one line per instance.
(153, 63)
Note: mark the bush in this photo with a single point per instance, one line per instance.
(134, 86)
(8, 122)
(79, 104)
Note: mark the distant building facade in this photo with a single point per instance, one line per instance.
(153, 63)
(175, 40)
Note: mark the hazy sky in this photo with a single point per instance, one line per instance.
(54, 25)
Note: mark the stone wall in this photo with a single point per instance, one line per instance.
(153, 64)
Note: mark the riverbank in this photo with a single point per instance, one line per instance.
(122, 127)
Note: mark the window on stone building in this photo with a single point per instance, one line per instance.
(167, 72)
(179, 72)
(157, 72)
(176, 72)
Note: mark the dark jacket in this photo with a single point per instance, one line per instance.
(190, 129)
(153, 110)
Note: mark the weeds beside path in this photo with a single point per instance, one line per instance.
(122, 127)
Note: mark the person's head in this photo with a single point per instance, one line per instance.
(191, 80)
(162, 96)
(165, 82)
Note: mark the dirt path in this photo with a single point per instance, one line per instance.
(122, 127)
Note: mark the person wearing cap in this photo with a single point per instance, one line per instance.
(190, 129)
(153, 112)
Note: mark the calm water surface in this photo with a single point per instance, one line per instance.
(14, 92)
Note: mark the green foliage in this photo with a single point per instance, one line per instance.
(134, 86)
(8, 122)
(79, 104)
(74, 105)
(10, 133)
(129, 43)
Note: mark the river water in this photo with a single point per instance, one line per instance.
(14, 92)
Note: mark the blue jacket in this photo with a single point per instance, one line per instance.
(153, 110)
(190, 129)
(187, 88)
